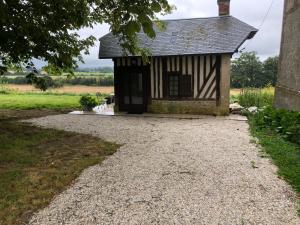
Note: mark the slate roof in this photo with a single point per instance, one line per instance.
(224, 34)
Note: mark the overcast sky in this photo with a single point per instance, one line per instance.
(266, 42)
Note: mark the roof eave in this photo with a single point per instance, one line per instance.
(214, 53)
(250, 36)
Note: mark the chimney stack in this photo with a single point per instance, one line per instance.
(224, 7)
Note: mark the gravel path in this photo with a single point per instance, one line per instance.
(171, 171)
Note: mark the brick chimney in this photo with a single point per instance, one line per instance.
(224, 7)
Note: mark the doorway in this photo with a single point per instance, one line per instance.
(133, 90)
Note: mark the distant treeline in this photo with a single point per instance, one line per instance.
(90, 81)
(60, 81)
(105, 69)
(249, 71)
(85, 71)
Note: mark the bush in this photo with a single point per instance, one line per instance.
(255, 97)
(284, 122)
(88, 102)
(42, 82)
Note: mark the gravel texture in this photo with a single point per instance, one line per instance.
(171, 171)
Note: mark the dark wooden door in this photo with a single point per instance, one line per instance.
(133, 88)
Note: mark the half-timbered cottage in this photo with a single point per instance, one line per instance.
(189, 69)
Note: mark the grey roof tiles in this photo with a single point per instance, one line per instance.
(213, 35)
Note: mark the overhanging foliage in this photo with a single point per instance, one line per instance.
(48, 30)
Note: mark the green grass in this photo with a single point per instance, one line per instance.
(255, 97)
(39, 101)
(36, 164)
(285, 155)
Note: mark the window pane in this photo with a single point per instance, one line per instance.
(186, 86)
(173, 85)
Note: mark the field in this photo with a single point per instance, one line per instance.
(237, 91)
(73, 89)
(28, 97)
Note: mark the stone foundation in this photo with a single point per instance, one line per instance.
(187, 107)
(287, 98)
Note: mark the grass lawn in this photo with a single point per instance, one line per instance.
(36, 164)
(285, 155)
(39, 101)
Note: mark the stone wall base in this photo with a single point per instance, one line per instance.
(187, 107)
(287, 99)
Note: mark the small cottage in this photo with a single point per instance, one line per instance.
(189, 69)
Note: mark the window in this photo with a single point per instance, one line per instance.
(179, 85)
(186, 86)
(174, 85)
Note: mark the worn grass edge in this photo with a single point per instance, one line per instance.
(261, 135)
(26, 123)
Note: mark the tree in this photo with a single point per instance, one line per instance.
(271, 70)
(249, 71)
(246, 71)
(48, 29)
(43, 83)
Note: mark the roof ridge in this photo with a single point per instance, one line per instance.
(245, 23)
(196, 18)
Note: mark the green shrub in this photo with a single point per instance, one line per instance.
(3, 88)
(284, 122)
(42, 82)
(3, 79)
(88, 102)
(255, 97)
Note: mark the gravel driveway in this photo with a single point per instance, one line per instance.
(171, 171)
